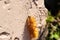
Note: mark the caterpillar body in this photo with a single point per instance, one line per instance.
(32, 28)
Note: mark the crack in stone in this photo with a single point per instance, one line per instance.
(4, 33)
(7, 1)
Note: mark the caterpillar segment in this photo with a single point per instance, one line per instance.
(32, 28)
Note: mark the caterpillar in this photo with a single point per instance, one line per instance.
(32, 27)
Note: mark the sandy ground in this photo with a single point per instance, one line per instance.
(13, 15)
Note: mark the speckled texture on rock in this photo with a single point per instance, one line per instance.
(13, 15)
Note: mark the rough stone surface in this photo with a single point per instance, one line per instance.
(13, 15)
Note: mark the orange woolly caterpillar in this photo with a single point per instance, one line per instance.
(32, 27)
